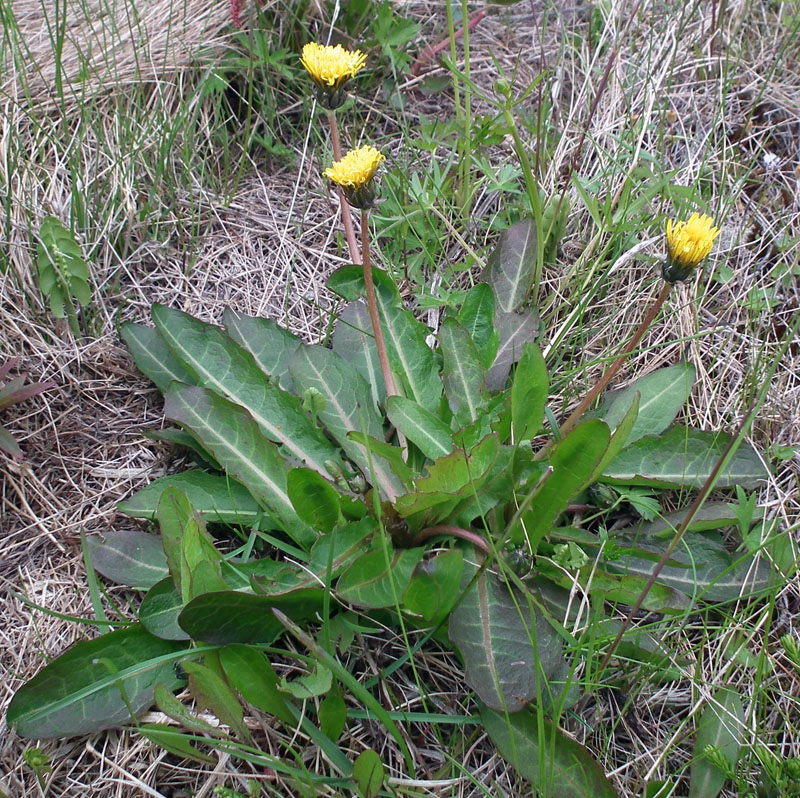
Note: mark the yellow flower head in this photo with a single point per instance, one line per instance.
(330, 68)
(354, 173)
(688, 244)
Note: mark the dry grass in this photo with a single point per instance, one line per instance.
(724, 117)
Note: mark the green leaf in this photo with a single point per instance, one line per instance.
(434, 586)
(160, 610)
(702, 568)
(231, 617)
(153, 357)
(378, 578)
(477, 317)
(181, 438)
(251, 673)
(712, 515)
(332, 715)
(178, 711)
(314, 499)
(462, 372)
(450, 479)
(410, 357)
(62, 272)
(368, 774)
(348, 282)
(511, 264)
(271, 345)
(421, 427)
(514, 330)
(193, 561)
(619, 439)
(608, 587)
(210, 692)
(573, 460)
(662, 394)
(511, 653)
(685, 457)
(228, 370)
(348, 407)
(554, 764)
(388, 452)
(529, 393)
(309, 685)
(174, 742)
(354, 340)
(214, 498)
(230, 434)
(128, 557)
(92, 685)
(722, 725)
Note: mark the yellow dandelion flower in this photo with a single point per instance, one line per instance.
(331, 68)
(354, 173)
(688, 244)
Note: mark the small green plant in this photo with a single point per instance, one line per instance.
(11, 393)
(419, 479)
(62, 271)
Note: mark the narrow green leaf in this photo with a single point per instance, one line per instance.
(174, 742)
(271, 345)
(511, 653)
(722, 725)
(311, 684)
(391, 454)
(514, 330)
(348, 407)
(252, 674)
(231, 617)
(92, 685)
(662, 394)
(187, 545)
(159, 611)
(573, 461)
(703, 568)
(378, 578)
(555, 764)
(462, 372)
(314, 499)
(476, 315)
(210, 692)
(529, 393)
(712, 515)
(128, 557)
(153, 357)
(685, 457)
(230, 434)
(354, 340)
(214, 498)
(228, 370)
(510, 266)
(175, 709)
(421, 427)
(619, 439)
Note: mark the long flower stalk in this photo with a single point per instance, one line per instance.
(372, 307)
(347, 217)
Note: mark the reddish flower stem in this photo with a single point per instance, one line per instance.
(590, 397)
(347, 218)
(372, 307)
(453, 531)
